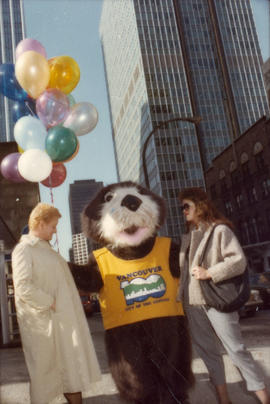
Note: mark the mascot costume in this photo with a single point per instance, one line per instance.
(136, 274)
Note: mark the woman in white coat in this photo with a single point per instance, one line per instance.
(223, 259)
(57, 344)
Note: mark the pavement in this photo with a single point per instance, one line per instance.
(14, 380)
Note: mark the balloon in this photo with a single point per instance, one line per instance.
(23, 108)
(9, 85)
(60, 143)
(82, 118)
(20, 150)
(73, 155)
(64, 73)
(52, 107)
(35, 165)
(30, 44)
(57, 176)
(32, 72)
(30, 133)
(9, 167)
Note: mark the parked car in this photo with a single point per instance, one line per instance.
(252, 305)
(90, 302)
(261, 283)
(86, 302)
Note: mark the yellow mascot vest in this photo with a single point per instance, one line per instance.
(136, 290)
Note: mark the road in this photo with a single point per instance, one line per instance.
(256, 332)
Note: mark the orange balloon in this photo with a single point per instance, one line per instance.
(71, 157)
(32, 72)
(64, 73)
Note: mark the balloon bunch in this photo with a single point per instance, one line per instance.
(47, 119)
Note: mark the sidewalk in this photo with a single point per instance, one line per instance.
(14, 378)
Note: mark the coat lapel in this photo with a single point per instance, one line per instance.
(185, 241)
(197, 244)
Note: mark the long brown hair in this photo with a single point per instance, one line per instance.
(205, 209)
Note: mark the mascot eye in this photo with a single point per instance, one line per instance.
(108, 197)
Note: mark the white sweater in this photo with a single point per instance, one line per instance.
(223, 258)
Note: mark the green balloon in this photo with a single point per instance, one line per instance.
(60, 143)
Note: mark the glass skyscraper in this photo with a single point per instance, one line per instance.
(177, 58)
(11, 33)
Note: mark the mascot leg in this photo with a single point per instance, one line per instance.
(150, 361)
(134, 374)
(172, 355)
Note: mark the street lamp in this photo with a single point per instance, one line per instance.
(194, 119)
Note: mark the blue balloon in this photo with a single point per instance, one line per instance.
(23, 108)
(30, 133)
(9, 85)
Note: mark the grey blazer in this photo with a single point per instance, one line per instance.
(223, 258)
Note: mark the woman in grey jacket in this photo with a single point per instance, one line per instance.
(223, 259)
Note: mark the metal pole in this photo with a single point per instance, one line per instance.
(195, 120)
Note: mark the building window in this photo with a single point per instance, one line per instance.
(213, 191)
(228, 208)
(252, 230)
(245, 172)
(252, 195)
(239, 201)
(244, 236)
(266, 188)
(223, 186)
(260, 161)
(235, 178)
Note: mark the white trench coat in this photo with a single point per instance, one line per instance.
(57, 345)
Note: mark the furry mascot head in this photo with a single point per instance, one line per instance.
(123, 215)
(136, 275)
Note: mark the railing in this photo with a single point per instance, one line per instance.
(9, 324)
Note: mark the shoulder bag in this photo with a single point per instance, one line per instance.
(228, 295)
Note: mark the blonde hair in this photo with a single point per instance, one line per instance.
(42, 212)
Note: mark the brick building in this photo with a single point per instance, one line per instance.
(238, 182)
(266, 75)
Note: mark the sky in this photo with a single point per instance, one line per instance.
(71, 27)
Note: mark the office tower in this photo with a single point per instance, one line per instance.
(80, 249)
(11, 33)
(176, 58)
(80, 194)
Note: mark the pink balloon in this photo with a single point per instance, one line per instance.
(30, 44)
(52, 107)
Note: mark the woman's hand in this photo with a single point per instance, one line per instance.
(53, 306)
(200, 273)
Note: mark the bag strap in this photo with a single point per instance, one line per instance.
(206, 244)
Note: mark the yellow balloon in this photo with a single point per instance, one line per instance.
(64, 73)
(32, 72)
(20, 150)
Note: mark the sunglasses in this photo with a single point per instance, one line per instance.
(186, 206)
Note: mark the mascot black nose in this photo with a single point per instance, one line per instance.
(131, 202)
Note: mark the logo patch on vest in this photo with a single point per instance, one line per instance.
(140, 289)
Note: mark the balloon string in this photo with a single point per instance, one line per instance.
(28, 106)
(51, 193)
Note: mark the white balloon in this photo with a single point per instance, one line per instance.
(35, 165)
(82, 118)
